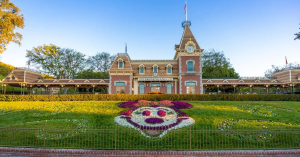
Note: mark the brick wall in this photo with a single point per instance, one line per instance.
(31, 152)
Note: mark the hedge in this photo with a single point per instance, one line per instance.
(173, 97)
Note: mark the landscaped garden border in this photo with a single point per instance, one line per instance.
(172, 97)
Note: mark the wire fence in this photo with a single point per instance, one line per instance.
(120, 138)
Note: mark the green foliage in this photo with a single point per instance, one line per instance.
(297, 36)
(215, 64)
(56, 61)
(150, 97)
(10, 19)
(5, 69)
(101, 62)
(89, 73)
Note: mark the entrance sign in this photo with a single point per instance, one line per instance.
(155, 79)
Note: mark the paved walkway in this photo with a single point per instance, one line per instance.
(31, 152)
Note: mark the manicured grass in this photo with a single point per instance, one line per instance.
(94, 127)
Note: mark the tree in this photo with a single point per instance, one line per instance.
(269, 73)
(10, 19)
(297, 36)
(215, 64)
(56, 61)
(101, 62)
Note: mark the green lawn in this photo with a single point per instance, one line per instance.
(90, 124)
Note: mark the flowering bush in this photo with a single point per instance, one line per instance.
(142, 103)
(182, 105)
(165, 103)
(161, 113)
(146, 113)
(154, 120)
(128, 104)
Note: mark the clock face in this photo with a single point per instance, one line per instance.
(190, 49)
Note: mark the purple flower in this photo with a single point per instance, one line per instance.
(128, 104)
(181, 105)
(154, 120)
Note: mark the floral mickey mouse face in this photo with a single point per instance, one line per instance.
(154, 119)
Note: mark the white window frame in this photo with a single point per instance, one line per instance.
(169, 66)
(155, 66)
(187, 67)
(121, 60)
(142, 66)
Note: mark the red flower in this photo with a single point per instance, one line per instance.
(127, 113)
(161, 113)
(146, 113)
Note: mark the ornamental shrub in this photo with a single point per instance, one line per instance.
(151, 97)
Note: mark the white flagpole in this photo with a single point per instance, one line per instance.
(185, 11)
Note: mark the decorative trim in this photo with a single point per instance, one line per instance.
(130, 84)
(120, 81)
(190, 81)
(101, 81)
(241, 81)
(180, 80)
(225, 81)
(209, 81)
(190, 61)
(109, 88)
(86, 81)
(71, 81)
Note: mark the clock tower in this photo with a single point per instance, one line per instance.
(188, 56)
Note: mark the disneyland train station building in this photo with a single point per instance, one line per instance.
(181, 75)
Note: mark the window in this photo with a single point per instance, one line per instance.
(169, 70)
(155, 87)
(120, 65)
(155, 70)
(13, 78)
(142, 70)
(169, 88)
(120, 87)
(190, 87)
(142, 89)
(190, 66)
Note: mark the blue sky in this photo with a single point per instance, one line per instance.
(254, 34)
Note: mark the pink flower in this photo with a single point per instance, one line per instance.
(161, 113)
(146, 113)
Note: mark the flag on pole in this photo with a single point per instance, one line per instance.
(286, 62)
(28, 62)
(125, 47)
(185, 8)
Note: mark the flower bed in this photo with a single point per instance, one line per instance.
(258, 110)
(258, 132)
(154, 119)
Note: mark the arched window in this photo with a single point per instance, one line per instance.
(155, 68)
(120, 65)
(169, 69)
(142, 69)
(190, 66)
(13, 78)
